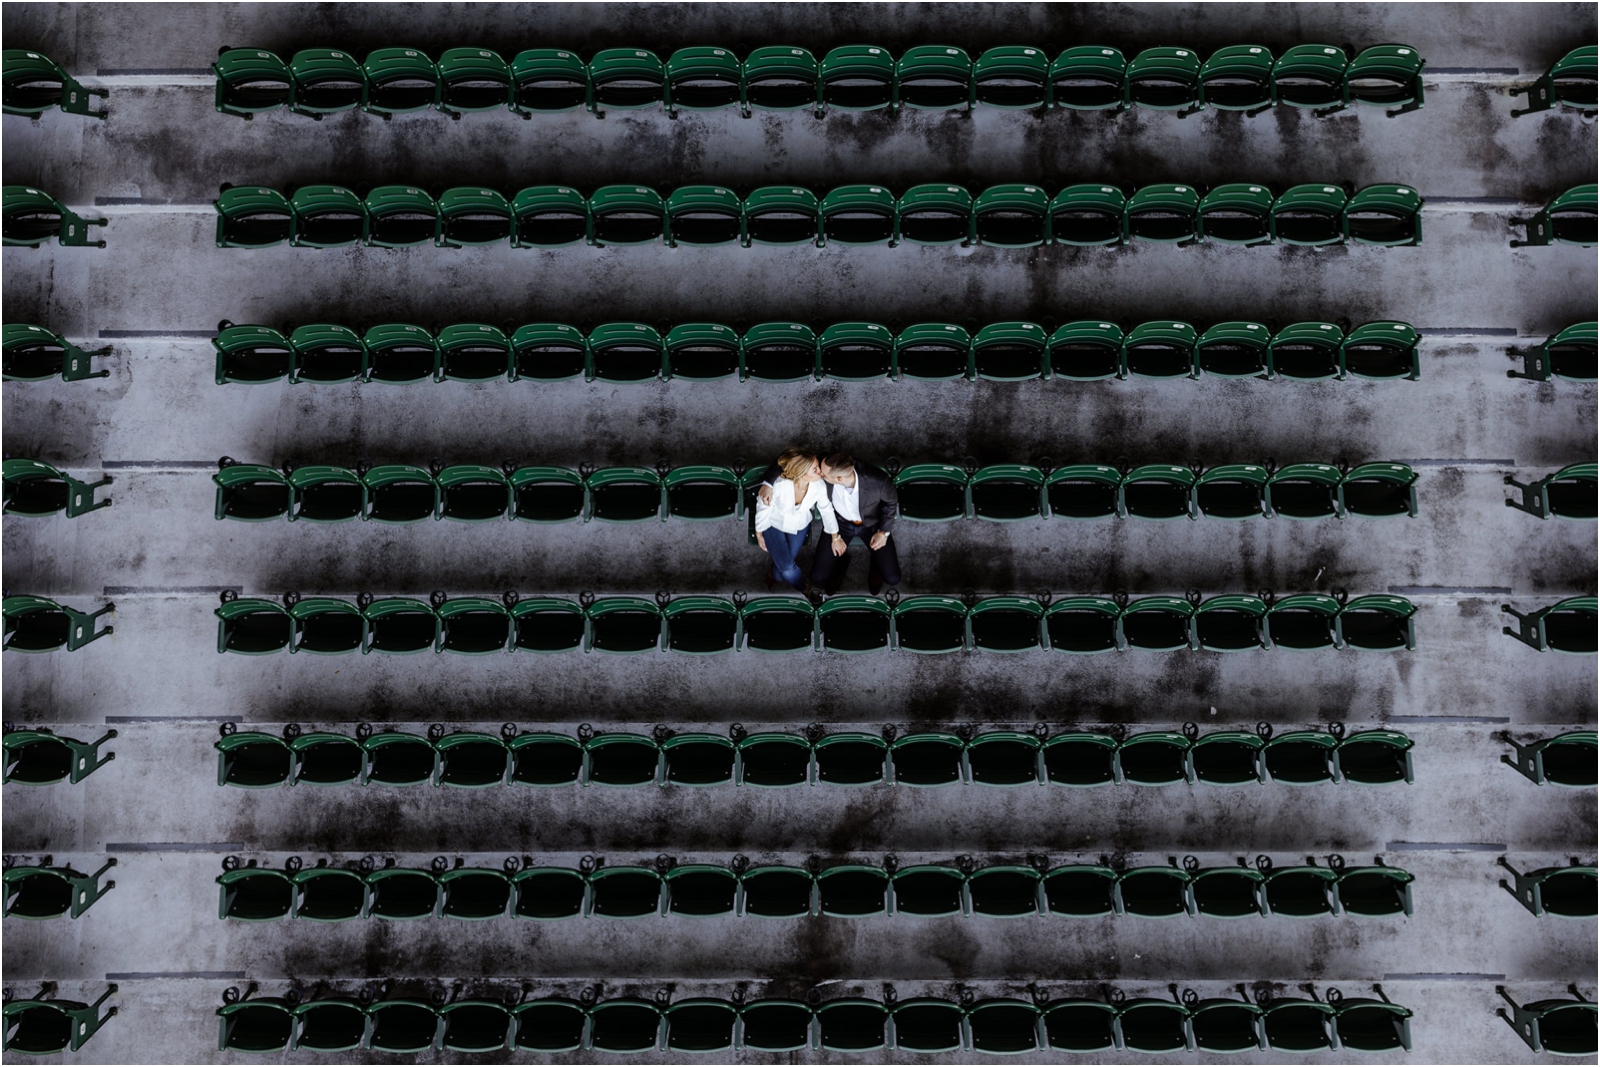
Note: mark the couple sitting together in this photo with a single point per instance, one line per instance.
(856, 501)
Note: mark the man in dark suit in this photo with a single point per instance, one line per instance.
(867, 503)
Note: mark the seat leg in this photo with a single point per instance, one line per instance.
(86, 759)
(85, 891)
(1532, 497)
(88, 1021)
(1525, 762)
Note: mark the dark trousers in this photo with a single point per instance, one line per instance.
(828, 570)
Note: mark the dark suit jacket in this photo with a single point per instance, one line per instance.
(879, 499)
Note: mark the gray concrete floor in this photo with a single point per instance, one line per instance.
(158, 424)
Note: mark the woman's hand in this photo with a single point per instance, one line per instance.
(761, 542)
(839, 547)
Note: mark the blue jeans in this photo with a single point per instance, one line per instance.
(783, 547)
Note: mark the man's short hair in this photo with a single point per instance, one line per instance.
(841, 461)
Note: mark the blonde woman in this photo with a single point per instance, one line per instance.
(781, 525)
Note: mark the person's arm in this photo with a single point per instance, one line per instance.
(830, 521)
(763, 516)
(768, 480)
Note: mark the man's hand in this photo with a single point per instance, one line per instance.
(879, 539)
(764, 494)
(839, 547)
(761, 542)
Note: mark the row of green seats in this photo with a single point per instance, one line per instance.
(390, 81)
(32, 217)
(35, 354)
(44, 1026)
(1570, 355)
(44, 891)
(707, 625)
(1573, 218)
(998, 1025)
(1559, 1027)
(39, 756)
(1566, 760)
(928, 492)
(1086, 350)
(526, 890)
(37, 489)
(1571, 625)
(32, 83)
(1569, 83)
(39, 624)
(255, 759)
(1004, 216)
(1573, 492)
(1566, 892)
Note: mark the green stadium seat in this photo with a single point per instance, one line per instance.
(624, 893)
(546, 624)
(473, 79)
(1230, 623)
(470, 215)
(1159, 491)
(1160, 350)
(1003, 758)
(855, 352)
(1305, 351)
(624, 494)
(774, 760)
(701, 494)
(473, 352)
(624, 625)
(250, 81)
(1569, 493)
(252, 217)
(252, 1026)
(1387, 76)
(1166, 214)
(1310, 76)
(1363, 1024)
(548, 80)
(1304, 491)
(1237, 214)
(702, 1025)
(397, 81)
(37, 489)
(1003, 1027)
(398, 493)
(549, 1025)
(704, 215)
(1089, 78)
(475, 1026)
(549, 216)
(777, 893)
(546, 894)
(782, 215)
(775, 1026)
(932, 492)
(1153, 892)
(1381, 624)
(1083, 491)
(548, 352)
(1565, 892)
(1165, 79)
(1157, 624)
(37, 624)
(929, 890)
(854, 624)
(1292, 1025)
(39, 757)
(1005, 492)
(1089, 216)
(1086, 351)
(1005, 624)
(852, 1025)
(925, 1024)
(399, 353)
(1569, 355)
(254, 894)
(1080, 759)
(1379, 490)
(858, 215)
(1301, 757)
(1233, 350)
(326, 353)
(1238, 78)
(1157, 757)
(1232, 491)
(33, 84)
(1569, 83)
(1310, 214)
(251, 354)
(329, 1024)
(1082, 625)
(930, 624)
(932, 77)
(626, 215)
(1373, 891)
(702, 889)
(472, 492)
(34, 354)
(1299, 892)
(702, 79)
(851, 759)
(927, 759)
(625, 79)
(548, 495)
(1012, 216)
(780, 78)
(701, 626)
(1080, 891)
(402, 1026)
(327, 216)
(935, 214)
(46, 892)
(1391, 215)
(471, 626)
(1080, 1025)
(252, 760)
(326, 759)
(1224, 1026)
(1569, 219)
(778, 624)
(1226, 892)
(699, 759)
(545, 760)
(473, 894)
(1559, 1027)
(398, 759)
(325, 81)
(1013, 77)
(1153, 1026)
(856, 77)
(1566, 626)
(702, 352)
(1227, 757)
(1010, 352)
(1374, 757)
(251, 626)
(399, 625)
(32, 217)
(325, 626)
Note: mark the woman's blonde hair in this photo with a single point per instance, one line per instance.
(796, 464)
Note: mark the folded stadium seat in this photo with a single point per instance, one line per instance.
(1158, 757)
(1224, 1026)
(625, 79)
(548, 495)
(473, 352)
(474, 894)
(1391, 215)
(622, 760)
(852, 1025)
(859, 215)
(933, 351)
(1089, 216)
(1232, 491)
(1159, 491)
(1003, 758)
(549, 216)
(397, 81)
(545, 760)
(925, 1024)
(1005, 624)
(775, 1026)
(1310, 76)
(473, 79)
(325, 626)
(854, 624)
(1165, 79)
(1380, 623)
(1005, 492)
(250, 492)
(701, 494)
(1305, 491)
(38, 624)
(1363, 1024)
(1387, 76)
(927, 760)
(1080, 759)
(395, 758)
(472, 626)
(782, 215)
(33, 84)
(39, 757)
(262, 1025)
(1085, 351)
(1569, 219)
(1237, 214)
(399, 353)
(325, 81)
(398, 493)
(936, 214)
(1013, 77)
(37, 489)
(1080, 1025)
(1082, 625)
(930, 624)
(549, 1025)
(250, 217)
(399, 625)
(548, 80)
(548, 352)
(472, 492)
(1299, 892)
(1566, 626)
(254, 894)
(326, 353)
(1238, 78)
(329, 1024)
(252, 760)
(780, 78)
(1570, 83)
(932, 77)
(702, 352)
(703, 889)
(702, 79)
(1153, 892)
(475, 1026)
(699, 759)
(1310, 214)
(624, 893)
(776, 893)
(624, 494)
(779, 352)
(34, 354)
(626, 215)
(851, 759)
(327, 216)
(326, 758)
(1569, 493)
(701, 1025)
(1157, 624)
(1012, 216)
(623, 625)
(1153, 1026)
(855, 352)
(1003, 1027)
(1089, 78)
(402, 1026)
(928, 890)
(626, 352)
(1301, 757)
(1009, 352)
(1373, 891)
(250, 81)
(32, 217)
(778, 624)
(546, 894)
(1379, 490)
(469, 215)
(1374, 757)
(1565, 892)
(701, 626)
(1293, 1025)
(1305, 351)
(251, 354)
(400, 216)
(1227, 757)
(1569, 356)
(1225, 892)
(1559, 1027)
(1230, 623)
(703, 215)
(932, 492)
(856, 77)
(1160, 350)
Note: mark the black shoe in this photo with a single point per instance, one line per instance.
(771, 581)
(874, 582)
(832, 588)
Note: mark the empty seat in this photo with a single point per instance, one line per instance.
(473, 352)
(702, 78)
(325, 81)
(250, 81)
(1080, 759)
(327, 216)
(1379, 490)
(1380, 623)
(1159, 757)
(549, 1025)
(1159, 491)
(400, 216)
(933, 351)
(1005, 891)
(775, 1026)
(1003, 1027)
(38, 489)
(779, 352)
(402, 1026)
(1381, 350)
(1080, 890)
(326, 758)
(1570, 219)
(925, 1024)
(1083, 491)
(34, 354)
(1157, 624)
(930, 624)
(1569, 355)
(1089, 78)
(254, 894)
(549, 216)
(927, 759)
(1153, 1026)
(1310, 76)
(1013, 77)
(701, 625)
(1570, 82)
(33, 84)
(622, 760)
(1225, 1026)
(1227, 757)
(325, 625)
(1306, 351)
(1233, 350)
(704, 215)
(1390, 215)
(547, 495)
(1009, 352)
(252, 1026)
(399, 759)
(777, 892)
(1374, 757)
(1237, 214)
(782, 215)
(852, 891)
(398, 80)
(251, 354)
(1300, 892)
(398, 493)
(1089, 216)
(40, 757)
(31, 217)
(1291, 1025)
(626, 215)
(625, 79)
(1226, 892)
(329, 894)
(326, 352)
(542, 759)
(1387, 76)
(329, 1024)
(1559, 1027)
(1153, 892)
(780, 78)
(1086, 351)
(1165, 79)
(474, 894)
(251, 626)
(1301, 757)
(1232, 491)
(469, 760)
(1238, 78)
(1006, 492)
(472, 492)
(703, 1025)
(475, 1026)
(38, 624)
(854, 624)
(1082, 625)
(624, 494)
(928, 890)
(702, 352)
(626, 352)
(252, 760)
(778, 624)
(1304, 491)
(1569, 493)
(1373, 891)
(858, 215)
(934, 77)
(1005, 624)
(855, 352)
(857, 78)
(473, 79)
(850, 759)
(774, 760)
(548, 893)
(250, 492)
(852, 1025)
(1230, 623)
(1566, 892)
(400, 353)
(1160, 350)
(624, 892)
(1310, 214)
(323, 493)
(471, 215)
(699, 759)
(1003, 758)
(1566, 760)
(1166, 214)
(1012, 216)
(1080, 1025)
(936, 214)
(1366, 1025)
(932, 492)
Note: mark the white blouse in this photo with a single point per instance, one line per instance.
(785, 515)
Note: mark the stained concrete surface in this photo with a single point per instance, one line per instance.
(158, 423)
